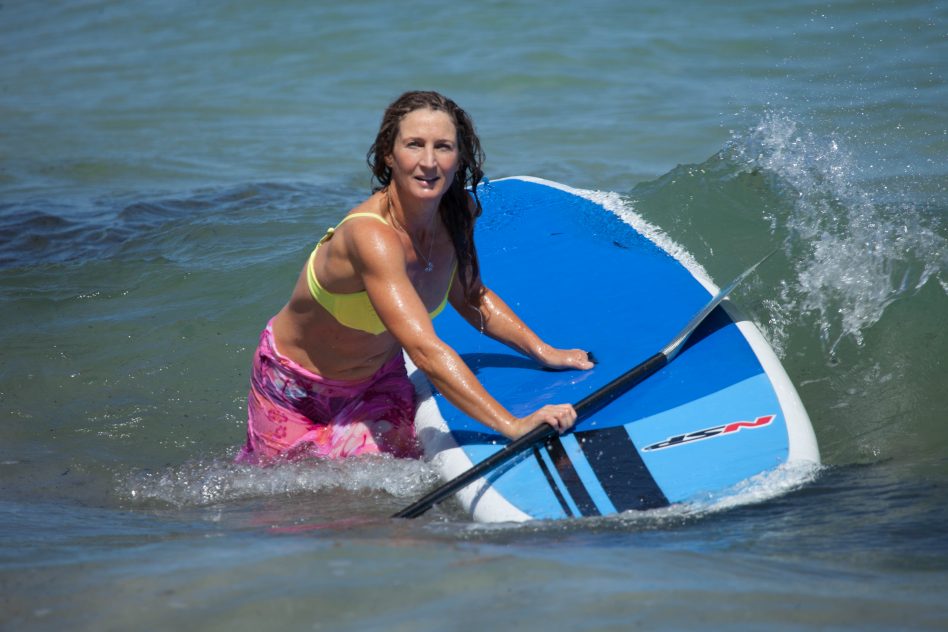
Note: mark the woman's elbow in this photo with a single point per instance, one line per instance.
(426, 353)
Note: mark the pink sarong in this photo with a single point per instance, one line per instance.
(294, 413)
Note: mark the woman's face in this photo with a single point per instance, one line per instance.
(425, 156)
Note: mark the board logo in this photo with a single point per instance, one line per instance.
(709, 433)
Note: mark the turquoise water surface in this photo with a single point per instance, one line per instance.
(166, 166)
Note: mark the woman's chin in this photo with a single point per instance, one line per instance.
(428, 190)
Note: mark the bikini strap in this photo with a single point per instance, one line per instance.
(351, 215)
(332, 229)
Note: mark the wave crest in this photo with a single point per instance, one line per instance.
(852, 254)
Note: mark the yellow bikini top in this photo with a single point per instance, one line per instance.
(354, 310)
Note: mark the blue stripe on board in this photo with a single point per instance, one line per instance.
(549, 475)
(570, 478)
(620, 469)
(591, 480)
(556, 483)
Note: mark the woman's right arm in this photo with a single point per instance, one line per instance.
(453, 379)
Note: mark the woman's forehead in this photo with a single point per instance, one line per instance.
(427, 122)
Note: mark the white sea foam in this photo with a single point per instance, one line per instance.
(761, 488)
(765, 486)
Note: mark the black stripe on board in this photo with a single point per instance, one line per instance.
(620, 469)
(570, 478)
(552, 482)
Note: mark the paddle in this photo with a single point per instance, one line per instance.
(584, 407)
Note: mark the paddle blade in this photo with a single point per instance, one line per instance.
(676, 343)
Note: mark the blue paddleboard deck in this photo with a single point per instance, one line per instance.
(582, 276)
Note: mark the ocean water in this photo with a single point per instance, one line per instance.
(165, 167)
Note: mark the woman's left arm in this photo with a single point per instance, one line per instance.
(496, 319)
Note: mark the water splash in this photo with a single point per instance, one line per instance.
(853, 254)
(204, 483)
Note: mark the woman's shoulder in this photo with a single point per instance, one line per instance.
(367, 233)
(372, 209)
(366, 217)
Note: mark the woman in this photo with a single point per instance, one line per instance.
(328, 377)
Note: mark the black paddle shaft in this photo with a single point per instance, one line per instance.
(541, 433)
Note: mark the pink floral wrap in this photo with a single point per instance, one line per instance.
(294, 413)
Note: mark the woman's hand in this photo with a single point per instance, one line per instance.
(553, 358)
(560, 416)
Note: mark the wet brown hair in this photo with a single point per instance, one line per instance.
(457, 212)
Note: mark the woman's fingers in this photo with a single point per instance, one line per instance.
(560, 416)
(569, 359)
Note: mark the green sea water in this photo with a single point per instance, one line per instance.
(166, 166)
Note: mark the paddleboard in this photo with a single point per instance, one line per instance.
(583, 271)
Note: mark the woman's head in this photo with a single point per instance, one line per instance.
(458, 209)
(471, 157)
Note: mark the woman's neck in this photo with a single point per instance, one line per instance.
(416, 217)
